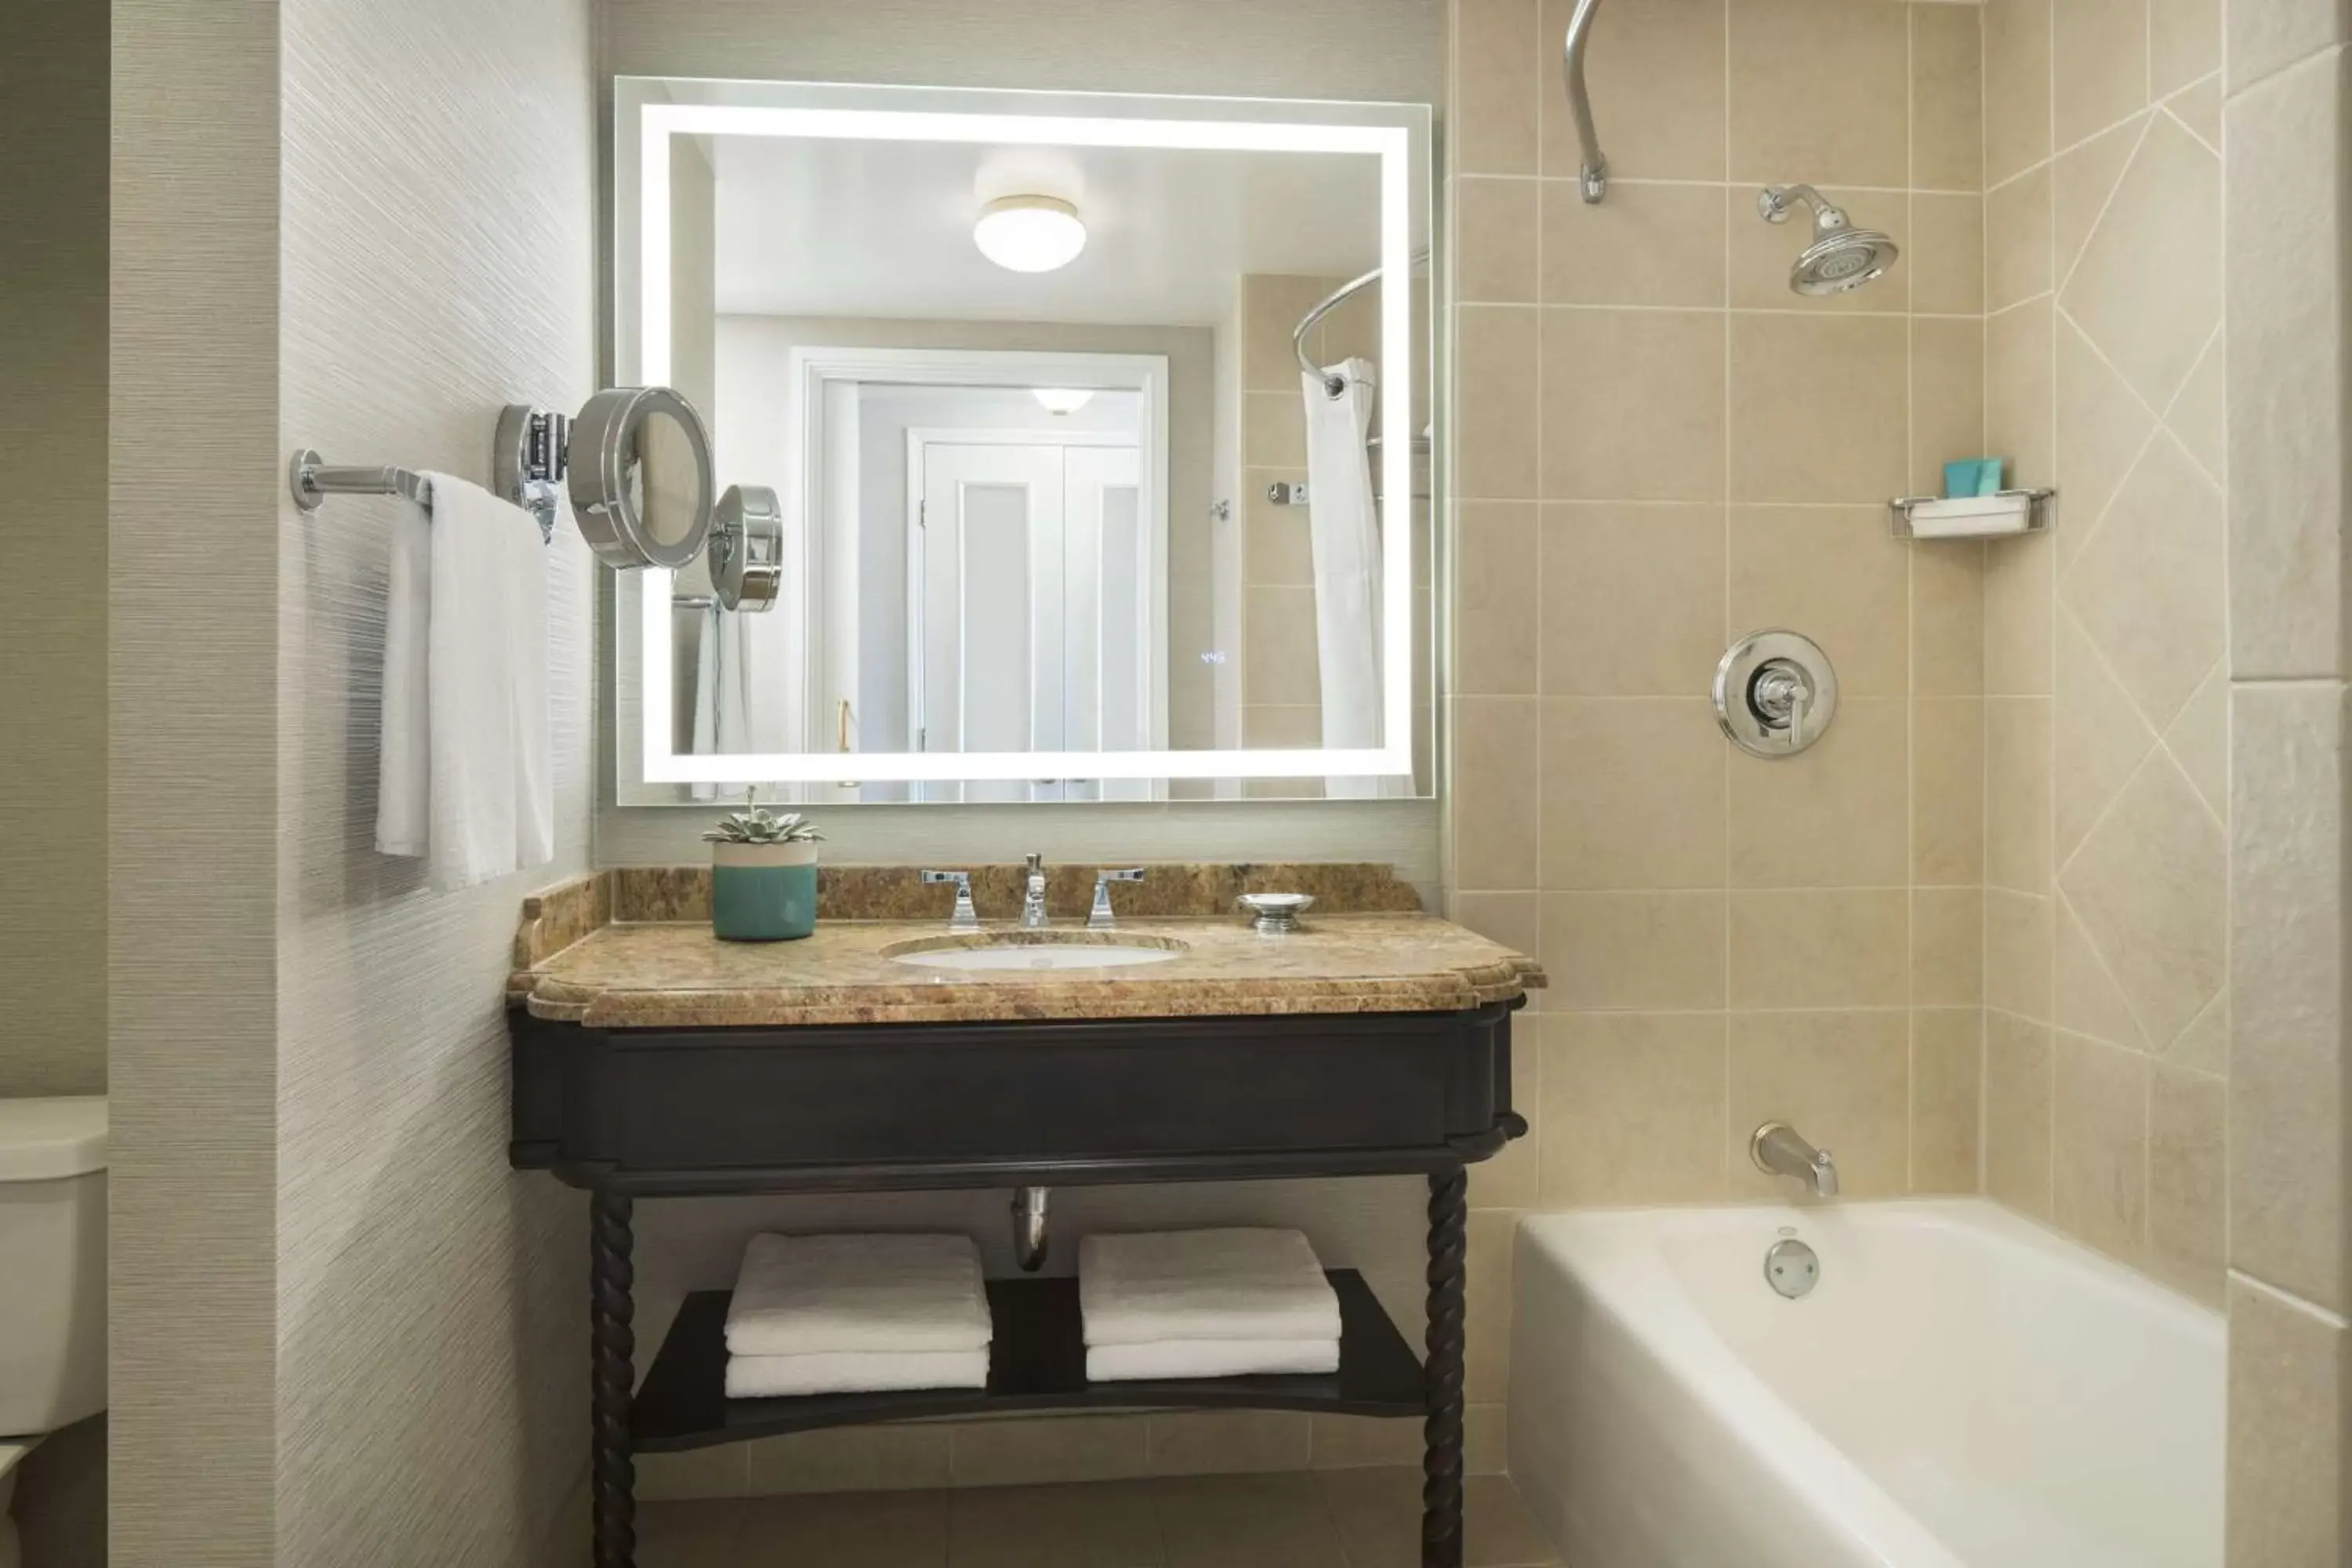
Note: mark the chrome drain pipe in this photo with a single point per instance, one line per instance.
(1029, 1237)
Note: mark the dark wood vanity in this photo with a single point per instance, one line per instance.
(625, 1087)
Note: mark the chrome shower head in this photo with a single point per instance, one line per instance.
(1841, 257)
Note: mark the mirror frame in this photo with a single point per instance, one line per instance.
(649, 110)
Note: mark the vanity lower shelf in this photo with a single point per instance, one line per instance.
(1038, 1362)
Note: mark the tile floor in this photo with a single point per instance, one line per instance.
(1327, 1518)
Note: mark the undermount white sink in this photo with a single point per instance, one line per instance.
(1036, 955)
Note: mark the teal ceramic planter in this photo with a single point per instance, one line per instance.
(762, 892)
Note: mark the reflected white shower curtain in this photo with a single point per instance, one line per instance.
(723, 716)
(1343, 518)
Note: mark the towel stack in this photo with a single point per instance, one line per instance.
(839, 1314)
(1205, 1303)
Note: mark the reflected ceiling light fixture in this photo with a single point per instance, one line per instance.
(1062, 399)
(1029, 234)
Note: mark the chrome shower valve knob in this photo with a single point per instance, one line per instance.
(1775, 694)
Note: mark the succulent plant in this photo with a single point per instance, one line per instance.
(760, 825)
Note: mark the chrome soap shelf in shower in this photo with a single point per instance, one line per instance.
(2005, 514)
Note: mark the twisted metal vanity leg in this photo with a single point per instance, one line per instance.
(1441, 1464)
(612, 1341)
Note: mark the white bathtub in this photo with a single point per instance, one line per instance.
(1962, 1387)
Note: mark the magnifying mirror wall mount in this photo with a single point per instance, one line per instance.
(631, 517)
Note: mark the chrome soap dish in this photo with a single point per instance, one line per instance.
(1276, 914)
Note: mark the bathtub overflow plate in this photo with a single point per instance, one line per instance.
(1791, 1268)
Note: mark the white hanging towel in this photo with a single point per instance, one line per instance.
(800, 1297)
(1187, 1285)
(1344, 532)
(723, 720)
(466, 750)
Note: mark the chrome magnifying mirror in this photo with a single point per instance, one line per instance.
(636, 463)
(747, 549)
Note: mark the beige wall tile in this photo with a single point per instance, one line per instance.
(1226, 1442)
(1781, 50)
(1947, 98)
(2200, 416)
(2017, 239)
(2200, 741)
(1837, 573)
(1633, 793)
(910, 1457)
(1947, 619)
(1633, 598)
(1638, 1102)
(1646, 245)
(1819, 408)
(2016, 794)
(2290, 1377)
(988, 1527)
(1632, 404)
(2268, 38)
(1946, 414)
(1642, 951)
(2199, 105)
(2017, 953)
(1658, 103)
(1495, 241)
(1363, 1442)
(1761, 254)
(2081, 182)
(2102, 430)
(1834, 815)
(2017, 632)
(2018, 1091)
(1946, 254)
(1486, 1307)
(715, 1472)
(1495, 396)
(2286, 1060)
(1279, 547)
(2017, 86)
(1279, 664)
(1244, 1521)
(1821, 949)
(2084, 997)
(1496, 743)
(2290, 375)
(2147, 587)
(2148, 287)
(1497, 78)
(1271, 304)
(2151, 885)
(1485, 1439)
(2099, 63)
(1274, 430)
(1947, 783)
(2187, 1180)
(1496, 598)
(1947, 947)
(1947, 1098)
(1841, 1079)
(2099, 1141)
(1515, 920)
(1046, 1452)
(2184, 43)
(2018, 391)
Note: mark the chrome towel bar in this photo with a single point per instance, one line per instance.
(312, 480)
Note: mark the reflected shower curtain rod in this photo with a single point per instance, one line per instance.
(1333, 385)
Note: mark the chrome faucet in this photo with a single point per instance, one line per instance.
(1033, 895)
(1777, 1151)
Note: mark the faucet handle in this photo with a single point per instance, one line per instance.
(965, 917)
(1101, 915)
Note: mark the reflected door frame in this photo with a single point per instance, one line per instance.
(1075, 553)
(816, 371)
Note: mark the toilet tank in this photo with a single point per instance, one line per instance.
(52, 1262)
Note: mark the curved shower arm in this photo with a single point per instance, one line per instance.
(1333, 385)
(1593, 177)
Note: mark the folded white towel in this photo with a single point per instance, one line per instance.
(465, 771)
(815, 1295)
(1203, 1285)
(1210, 1358)
(853, 1371)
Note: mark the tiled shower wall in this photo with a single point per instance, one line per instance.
(1659, 448)
(2106, 690)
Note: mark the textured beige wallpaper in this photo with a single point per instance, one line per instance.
(192, 783)
(438, 256)
(53, 112)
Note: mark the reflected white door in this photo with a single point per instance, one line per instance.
(1031, 612)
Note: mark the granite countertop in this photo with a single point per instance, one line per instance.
(576, 963)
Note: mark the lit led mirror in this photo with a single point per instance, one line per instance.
(640, 478)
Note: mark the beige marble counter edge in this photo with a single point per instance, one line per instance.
(604, 1007)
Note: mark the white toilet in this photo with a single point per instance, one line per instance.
(52, 1277)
